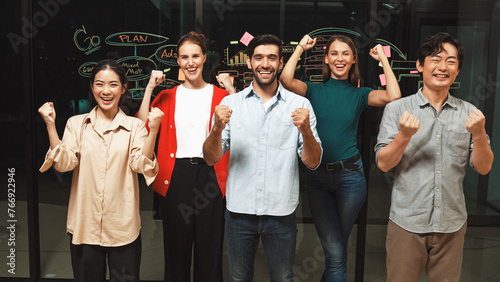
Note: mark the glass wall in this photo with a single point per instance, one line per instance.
(51, 46)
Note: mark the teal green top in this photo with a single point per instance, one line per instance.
(338, 106)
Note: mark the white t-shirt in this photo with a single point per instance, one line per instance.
(192, 119)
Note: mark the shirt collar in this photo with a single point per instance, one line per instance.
(450, 100)
(282, 93)
(119, 120)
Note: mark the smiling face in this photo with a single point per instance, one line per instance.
(440, 70)
(265, 64)
(339, 59)
(191, 60)
(107, 90)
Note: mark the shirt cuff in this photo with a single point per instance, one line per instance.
(49, 158)
(150, 169)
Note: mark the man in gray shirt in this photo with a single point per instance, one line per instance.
(428, 138)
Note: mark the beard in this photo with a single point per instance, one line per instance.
(264, 82)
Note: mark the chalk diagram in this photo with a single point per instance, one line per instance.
(310, 67)
(234, 59)
(137, 67)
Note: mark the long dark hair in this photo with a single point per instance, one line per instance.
(116, 68)
(353, 71)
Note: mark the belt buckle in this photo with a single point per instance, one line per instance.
(194, 161)
(332, 166)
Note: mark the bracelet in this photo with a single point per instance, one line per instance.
(301, 46)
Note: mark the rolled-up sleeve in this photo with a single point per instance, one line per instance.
(138, 162)
(64, 156)
(312, 124)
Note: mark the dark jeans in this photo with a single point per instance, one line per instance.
(89, 262)
(193, 224)
(335, 198)
(279, 236)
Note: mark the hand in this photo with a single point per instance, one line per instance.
(48, 113)
(154, 117)
(156, 78)
(377, 52)
(222, 115)
(301, 120)
(307, 42)
(475, 123)
(224, 80)
(408, 124)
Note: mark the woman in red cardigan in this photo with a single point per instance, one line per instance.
(192, 206)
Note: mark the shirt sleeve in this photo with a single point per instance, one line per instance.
(310, 88)
(389, 127)
(312, 124)
(137, 161)
(64, 157)
(226, 132)
(364, 94)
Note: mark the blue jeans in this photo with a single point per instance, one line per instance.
(335, 198)
(279, 236)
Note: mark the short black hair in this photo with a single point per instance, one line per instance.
(263, 39)
(433, 44)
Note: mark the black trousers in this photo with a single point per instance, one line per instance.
(193, 224)
(89, 262)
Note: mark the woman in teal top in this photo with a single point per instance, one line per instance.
(337, 189)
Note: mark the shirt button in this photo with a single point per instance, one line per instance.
(437, 207)
(438, 171)
(260, 173)
(437, 136)
(437, 153)
(166, 182)
(437, 190)
(171, 127)
(172, 155)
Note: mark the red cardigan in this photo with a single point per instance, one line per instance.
(167, 144)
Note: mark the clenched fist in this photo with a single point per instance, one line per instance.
(306, 42)
(222, 116)
(475, 123)
(224, 79)
(154, 117)
(301, 120)
(156, 78)
(48, 113)
(377, 52)
(408, 124)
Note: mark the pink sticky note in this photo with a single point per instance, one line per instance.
(414, 71)
(382, 79)
(387, 51)
(246, 38)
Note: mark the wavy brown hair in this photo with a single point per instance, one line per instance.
(353, 71)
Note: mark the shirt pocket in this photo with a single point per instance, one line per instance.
(457, 145)
(284, 134)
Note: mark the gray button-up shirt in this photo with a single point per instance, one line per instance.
(427, 195)
(263, 174)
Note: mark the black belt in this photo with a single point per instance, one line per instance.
(193, 161)
(348, 163)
